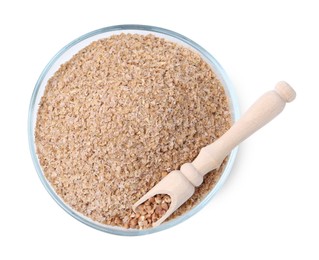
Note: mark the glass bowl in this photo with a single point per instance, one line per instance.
(72, 48)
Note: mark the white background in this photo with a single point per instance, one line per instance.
(268, 208)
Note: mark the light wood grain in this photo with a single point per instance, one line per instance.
(180, 184)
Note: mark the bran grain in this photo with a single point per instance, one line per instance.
(119, 116)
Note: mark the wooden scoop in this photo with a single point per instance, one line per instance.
(180, 185)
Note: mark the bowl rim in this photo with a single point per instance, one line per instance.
(232, 99)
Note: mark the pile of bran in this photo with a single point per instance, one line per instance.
(119, 116)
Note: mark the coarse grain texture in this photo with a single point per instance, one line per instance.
(149, 212)
(120, 115)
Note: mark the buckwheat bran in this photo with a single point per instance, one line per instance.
(120, 115)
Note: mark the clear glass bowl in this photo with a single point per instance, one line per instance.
(72, 48)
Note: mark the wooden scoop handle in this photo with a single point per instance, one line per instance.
(179, 184)
(259, 114)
